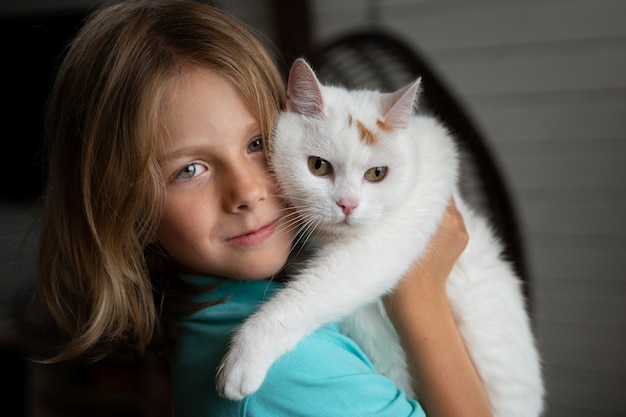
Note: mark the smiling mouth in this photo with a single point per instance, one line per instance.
(254, 237)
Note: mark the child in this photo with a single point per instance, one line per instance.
(159, 200)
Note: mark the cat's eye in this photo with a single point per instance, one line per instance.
(319, 166)
(375, 174)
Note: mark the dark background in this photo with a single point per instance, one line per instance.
(30, 46)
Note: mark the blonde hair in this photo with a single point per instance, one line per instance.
(104, 190)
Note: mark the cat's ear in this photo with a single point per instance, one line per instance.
(304, 95)
(403, 102)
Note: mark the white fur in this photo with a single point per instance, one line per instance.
(387, 232)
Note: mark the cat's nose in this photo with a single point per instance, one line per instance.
(348, 205)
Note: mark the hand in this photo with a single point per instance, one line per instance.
(444, 247)
(430, 272)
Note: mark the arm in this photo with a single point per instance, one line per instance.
(421, 314)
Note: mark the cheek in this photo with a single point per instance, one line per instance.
(181, 222)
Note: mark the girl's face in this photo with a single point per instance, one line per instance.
(222, 215)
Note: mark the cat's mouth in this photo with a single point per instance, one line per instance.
(338, 227)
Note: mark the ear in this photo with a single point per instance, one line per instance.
(304, 95)
(402, 104)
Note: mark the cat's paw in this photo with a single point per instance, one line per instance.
(238, 377)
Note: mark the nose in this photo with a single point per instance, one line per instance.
(348, 205)
(244, 189)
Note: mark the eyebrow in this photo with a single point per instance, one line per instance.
(182, 152)
(251, 130)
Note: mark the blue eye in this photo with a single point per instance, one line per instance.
(191, 171)
(256, 145)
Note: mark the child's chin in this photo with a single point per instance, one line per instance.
(268, 268)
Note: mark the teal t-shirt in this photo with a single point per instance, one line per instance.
(326, 374)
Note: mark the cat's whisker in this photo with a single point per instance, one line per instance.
(303, 225)
(304, 234)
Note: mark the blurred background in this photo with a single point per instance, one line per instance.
(541, 88)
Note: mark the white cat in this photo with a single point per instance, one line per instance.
(373, 179)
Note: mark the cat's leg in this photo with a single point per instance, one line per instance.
(331, 287)
(488, 305)
(498, 337)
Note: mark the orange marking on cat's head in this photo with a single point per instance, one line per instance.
(366, 135)
(384, 125)
(350, 120)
